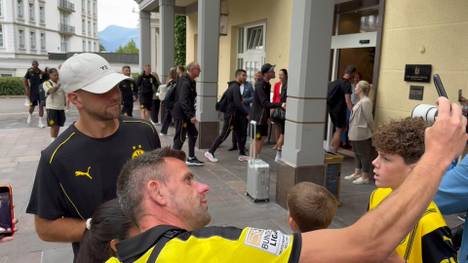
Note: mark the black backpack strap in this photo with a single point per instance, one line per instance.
(131, 249)
(170, 234)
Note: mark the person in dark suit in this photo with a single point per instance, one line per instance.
(247, 93)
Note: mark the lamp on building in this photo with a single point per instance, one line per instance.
(223, 18)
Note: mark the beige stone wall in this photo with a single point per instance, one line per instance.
(276, 14)
(440, 28)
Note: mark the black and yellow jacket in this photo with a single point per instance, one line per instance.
(430, 241)
(210, 244)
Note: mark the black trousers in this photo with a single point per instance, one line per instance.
(127, 109)
(166, 120)
(182, 129)
(244, 125)
(155, 111)
(236, 124)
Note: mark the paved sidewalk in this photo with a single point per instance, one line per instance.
(20, 146)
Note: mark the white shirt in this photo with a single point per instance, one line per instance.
(242, 89)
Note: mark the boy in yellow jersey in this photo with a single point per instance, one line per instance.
(400, 145)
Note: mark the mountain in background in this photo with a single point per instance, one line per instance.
(114, 36)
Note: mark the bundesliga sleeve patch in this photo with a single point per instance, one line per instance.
(274, 242)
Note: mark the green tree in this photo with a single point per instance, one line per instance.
(129, 48)
(102, 48)
(179, 41)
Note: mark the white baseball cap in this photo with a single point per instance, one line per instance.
(89, 72)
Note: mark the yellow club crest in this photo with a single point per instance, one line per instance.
(137, 151)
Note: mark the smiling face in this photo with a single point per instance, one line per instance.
(185, 196)
(103, 107)
(390, 170)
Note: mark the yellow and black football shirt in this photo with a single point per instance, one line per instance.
(430, 241)
(77, 173)
(212, 244)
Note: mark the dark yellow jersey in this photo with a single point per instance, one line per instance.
(212, 244)
(430, 241)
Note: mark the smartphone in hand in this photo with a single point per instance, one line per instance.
(7, 224)
(439, 86)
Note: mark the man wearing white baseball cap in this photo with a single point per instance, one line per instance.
(78, 171)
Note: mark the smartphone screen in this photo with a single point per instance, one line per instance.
(6, 222)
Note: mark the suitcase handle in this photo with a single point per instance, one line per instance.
(253, 134)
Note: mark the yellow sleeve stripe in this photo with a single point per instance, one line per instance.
(69, 199)
(58, 147)
(142, 122)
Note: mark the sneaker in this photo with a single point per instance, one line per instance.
(361, 180)
(353, 176)
(28, 120)
(193, 161)
(233, 148)
(162, 134)
(211, 157)
(40, 124)
(243, 158)
(278, 156)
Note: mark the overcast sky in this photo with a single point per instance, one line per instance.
(117, 12)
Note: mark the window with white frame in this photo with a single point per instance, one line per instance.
(32, 14)
(255, 37)
(89, 7)
(43, 41)
(95, 47)
(83, 6)
(20, 8)
(251, 49)
(1, 8)
(64, 44)
(32, 40)
(1, 35)
(89, 28)
(42, 14)
(83, 26)
(94, 8)
(94, 29)
(89, 45)
(21, 40)
(84, 45)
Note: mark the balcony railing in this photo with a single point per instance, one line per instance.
(66, 6)
(67, 29)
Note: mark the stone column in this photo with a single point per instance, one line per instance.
(309, 58)
(145, 39)
(166, 38)
(207, 84)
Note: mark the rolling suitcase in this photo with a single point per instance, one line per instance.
(258, 172)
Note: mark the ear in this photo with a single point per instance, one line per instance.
(74, 98)
(292, 224)
(156, 192)
(113, 245)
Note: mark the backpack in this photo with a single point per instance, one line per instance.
(222, 104)
(170, 98)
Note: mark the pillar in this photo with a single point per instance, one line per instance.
(309, 58)
(165, 57)
(145, 39)
(207, 84)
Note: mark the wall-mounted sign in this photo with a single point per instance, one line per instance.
(416, 92)
(418, 72)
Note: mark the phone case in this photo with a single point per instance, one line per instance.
(8, 189)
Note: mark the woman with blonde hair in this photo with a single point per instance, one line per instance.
(361, 126)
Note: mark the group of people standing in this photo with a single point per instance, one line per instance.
(349, 94)
(241, 103)
(43, 89)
